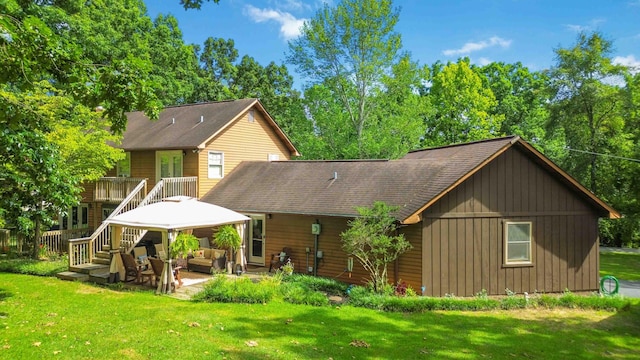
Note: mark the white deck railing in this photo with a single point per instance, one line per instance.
(114, 189)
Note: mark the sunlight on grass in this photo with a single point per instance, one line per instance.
(624, 266)
(45, 317)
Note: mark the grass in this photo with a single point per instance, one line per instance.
(43, 317)
(624, 266)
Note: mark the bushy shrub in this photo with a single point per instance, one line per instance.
(316, 283)
(35, 267)
(297, 294)
(237, 290)
(364, 297)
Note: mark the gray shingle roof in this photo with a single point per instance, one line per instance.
(310, 187)
(179, 127)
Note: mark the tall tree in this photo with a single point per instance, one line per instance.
(521, 97)
(463, 107)
(53, 76)
(346, 52)
(586, 106)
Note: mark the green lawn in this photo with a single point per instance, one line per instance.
(42, 317)
(624, 266)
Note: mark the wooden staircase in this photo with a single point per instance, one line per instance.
(97, 271)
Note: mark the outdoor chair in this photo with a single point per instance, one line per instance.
(279, 259)
(130, 266)
(158, 265)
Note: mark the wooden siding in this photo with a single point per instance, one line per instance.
(294, 231)
(241, 141)
(463, 233)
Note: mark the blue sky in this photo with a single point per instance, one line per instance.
(484, 30)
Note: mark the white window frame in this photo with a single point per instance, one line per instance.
(69, 222)
(252, 116)
(507, 261)
(120, 170)
(173, 153)
(211, 165)
(274, 157)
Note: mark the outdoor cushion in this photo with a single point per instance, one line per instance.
(200, 254)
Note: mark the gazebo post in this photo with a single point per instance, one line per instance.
(167, 281)
(116, 269)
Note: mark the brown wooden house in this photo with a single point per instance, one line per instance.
(187, 151)
(491, 215)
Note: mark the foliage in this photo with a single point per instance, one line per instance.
(463, 106)
(296, 293)
(54, 74)
(183, 244)
(362, 297)
(228, 238)
(236, 289)
(317, 283)
(34, 267)
(372, 239)
(361, 87)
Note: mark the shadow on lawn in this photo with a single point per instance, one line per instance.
(4, 294)
(446, 335)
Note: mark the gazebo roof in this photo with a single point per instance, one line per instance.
(177, 213)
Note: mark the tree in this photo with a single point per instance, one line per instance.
(372, 238)
(521, 97)
(586, 106)
(347, 52)
(52, 78)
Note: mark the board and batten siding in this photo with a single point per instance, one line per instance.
(241, 141)
(463, 233)
(294, 231)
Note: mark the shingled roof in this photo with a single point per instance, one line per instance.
(335, 188)
(190, 126)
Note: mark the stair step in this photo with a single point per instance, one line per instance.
(103, 255)
(72, 276)
(100, 277)
(106, 248)
(101, 261)
(89, 268)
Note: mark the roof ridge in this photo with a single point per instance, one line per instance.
(200, 103)
(512, 137)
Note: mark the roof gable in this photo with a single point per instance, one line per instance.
(190, 126)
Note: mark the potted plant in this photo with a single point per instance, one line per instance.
(228, 238)
(182, 245)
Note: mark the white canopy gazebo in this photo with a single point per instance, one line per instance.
(170, 216)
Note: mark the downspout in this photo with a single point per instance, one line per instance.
(315, 252)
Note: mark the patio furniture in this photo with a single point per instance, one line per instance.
(279, 259)
(131, 267)
(204, 260)
(158, 265)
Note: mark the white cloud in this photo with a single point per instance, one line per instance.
(593, 24)
(483, 61)
(476, 46)
(289, 24)
(629, 61)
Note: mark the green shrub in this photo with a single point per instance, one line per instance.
(236, 290)
(298, 294)
(35, 267)
(364, 297)
(316, 283)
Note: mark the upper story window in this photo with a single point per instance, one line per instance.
(252, 115)
(168, 164)
(216, 164)
(274, 157)
(517, 245)
(123, 167)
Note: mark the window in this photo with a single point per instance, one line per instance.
(168, 164)
(123, 167)
(274, 157)
(76, 218)
(252, 116)
(216, 162)
(517, 243)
